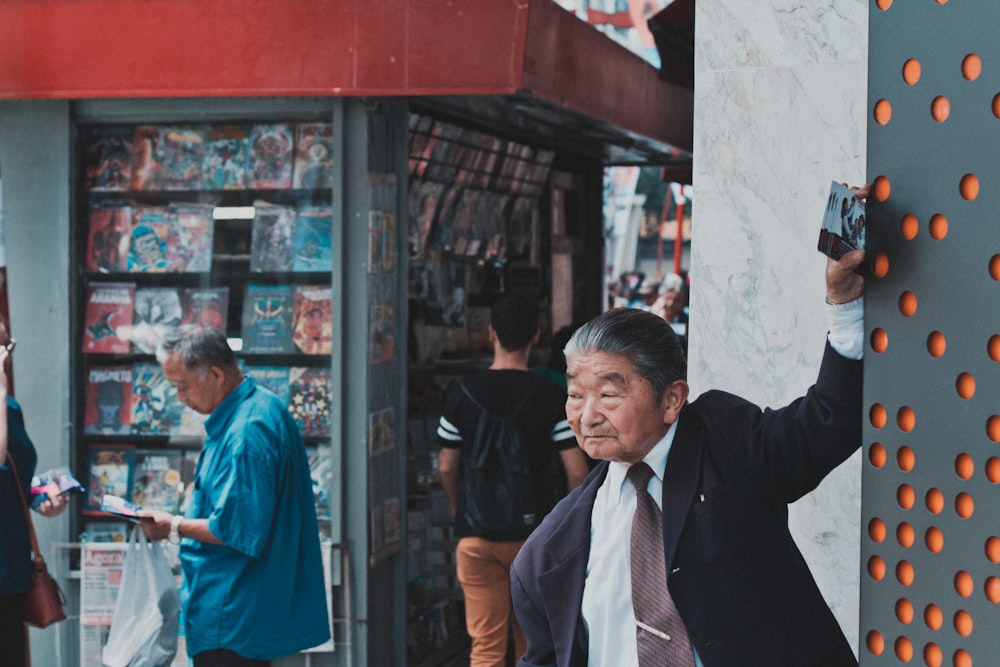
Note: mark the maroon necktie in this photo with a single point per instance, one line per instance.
(660, 634)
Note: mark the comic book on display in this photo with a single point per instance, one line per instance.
(226, 151)
(274, 378)
(147, 249)
(107, 238)
(321, 470)
(206, 305)
(313, 156)
(310, 395)
(312, 246)
(155, 409)
(312, 319)
(156, 479)
(107, 319)
(104, 531)
(189, 238)
(843, 228)
(267, 319)
(107, 408)
(271, 156)
(109, 471)
(271, 238)
(157, 310)
(107, 158)
(167, 158)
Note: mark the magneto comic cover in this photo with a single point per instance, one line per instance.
(107, 407)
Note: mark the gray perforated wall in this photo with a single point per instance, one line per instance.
(930, 585)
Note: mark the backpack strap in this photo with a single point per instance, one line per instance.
(517, 409)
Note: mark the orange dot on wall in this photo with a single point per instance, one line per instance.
(933, 617)
(972, 67)
(911, 71)
(965, 466)
(906, 419)
(996, 105)
(876, 568)
(875, 642)
(905, 535)
(880, 266)
(962, 657)
(965, 506)
(932, 655)
(969, 187)
(905, 458)
(880, 340)
(963, 584)
(936, 343)
(934, 539)
(904, 649)
(993, 348)
(992, 589)
(878, 415)
(904, 572)
(993, 549)
(934, 500)
(938, 226)
(940, 108)
(965, 385)
(963, 623)
(876, 530)
(908, 303)
(904, 611)
(905, 496)
(993, 469)
(883, 112)
(995, 267)
(993, 428)
(877, 454)
(881, 188)
(909, 226)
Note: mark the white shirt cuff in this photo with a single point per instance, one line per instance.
(847, 327)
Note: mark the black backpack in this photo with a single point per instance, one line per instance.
(502, 484)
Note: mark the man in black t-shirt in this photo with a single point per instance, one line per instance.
(538, 406)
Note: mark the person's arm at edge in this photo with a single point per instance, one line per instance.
(450, 469)
(156, 525)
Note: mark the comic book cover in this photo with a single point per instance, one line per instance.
(843, 226)
(388, 241)
(271, 238)
(267, 319)
(104, 531)
(321, 470)
(274, 378)
(156, 479)
(310, 395)
(226, 151)
(271, 156)
(108, 398)
(189, 238)
(313, 156)
(155, 407)
(107, 319)
(312, 246)
(107, 158)
(380, 337)
(147, 249)
(312, 319)
(109, 470)
(146, 152)
(181, 155)
(157, 310)
(206, 305)
(108, 237)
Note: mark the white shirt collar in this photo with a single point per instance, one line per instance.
(656, 458)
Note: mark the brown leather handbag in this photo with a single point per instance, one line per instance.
(44, 603)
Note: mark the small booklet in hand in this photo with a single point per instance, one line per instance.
(120, 507)
(843, 227)
(58, 481)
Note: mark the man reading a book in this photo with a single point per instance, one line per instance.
(249, 543)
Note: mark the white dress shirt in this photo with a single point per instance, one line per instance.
(607, 593)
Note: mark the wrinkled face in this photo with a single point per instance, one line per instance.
(612, 410)
(199, 389)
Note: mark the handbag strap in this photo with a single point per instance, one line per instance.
(27, 513)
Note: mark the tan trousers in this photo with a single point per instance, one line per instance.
(484, 571)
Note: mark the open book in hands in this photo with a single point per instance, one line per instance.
(843, 227)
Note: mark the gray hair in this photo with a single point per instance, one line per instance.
(199, 346)
(644, 339)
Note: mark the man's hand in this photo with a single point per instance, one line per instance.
(155, 524)
(844, 280)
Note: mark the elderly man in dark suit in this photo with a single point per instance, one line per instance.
(723, 472)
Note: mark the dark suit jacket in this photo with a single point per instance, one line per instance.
(739, 581)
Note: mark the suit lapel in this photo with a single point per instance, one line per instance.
(680, 481)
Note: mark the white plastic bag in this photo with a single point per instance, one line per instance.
(144, 625)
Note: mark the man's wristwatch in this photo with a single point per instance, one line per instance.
(175, 537)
